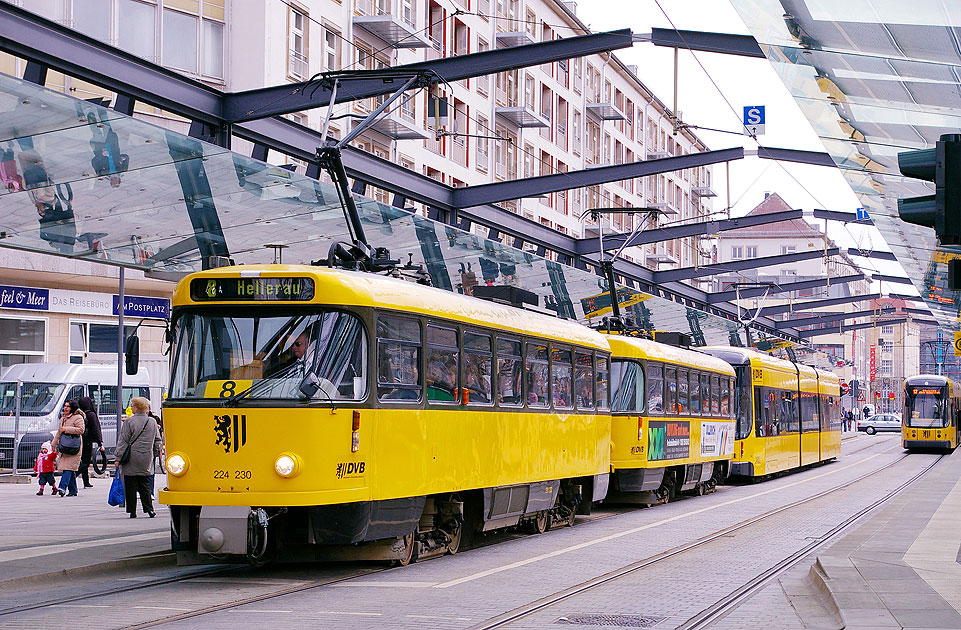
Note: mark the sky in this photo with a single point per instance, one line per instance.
(713, 89)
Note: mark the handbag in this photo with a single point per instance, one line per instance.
(69, 444)
(115, 496)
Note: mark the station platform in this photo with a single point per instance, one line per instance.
(901, 566)
(45, 537)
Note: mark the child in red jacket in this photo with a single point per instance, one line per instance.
(44, 467)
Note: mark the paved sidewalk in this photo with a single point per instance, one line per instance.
(40, 536)
(900, 568)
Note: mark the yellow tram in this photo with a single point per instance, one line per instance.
(787, 415)
(672, 427)
(931, 407)
(324, 413)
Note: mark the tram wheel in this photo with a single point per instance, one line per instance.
(408, 553)
(541, 522)
(454, 545)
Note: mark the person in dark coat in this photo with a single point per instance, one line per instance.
(91, 434)
(142, 434)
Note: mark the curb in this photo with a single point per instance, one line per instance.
(818, 579)
(159, 558)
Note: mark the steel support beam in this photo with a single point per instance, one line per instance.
(686, 273)
(843, 217)
(880, 277)
(751, 292)
(840, 329)
(853, 251)
(804, 306)
(725, 43)
(615, 241)
(815, 158)
(545, 184)
(295, 97)
(826, 319)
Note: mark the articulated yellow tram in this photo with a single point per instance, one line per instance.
(328, 407)
(787, 415)
(316, 413)
(672, 429)
(931, 407)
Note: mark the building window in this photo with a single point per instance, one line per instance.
(752, 251)
(297, 31)
(22, 341)
(887, 366)
(331, 50)
(788, 249)
(138, 34)
(737, 253)
(482, 145)
(887, 330)
(88, 337)
(483, 83)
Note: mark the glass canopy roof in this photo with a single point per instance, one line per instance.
(875, 77)
(83, 181)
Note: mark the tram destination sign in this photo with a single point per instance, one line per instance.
(274, 289)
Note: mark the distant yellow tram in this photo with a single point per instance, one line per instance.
(787, 414)
(672, 429)
(931, 408)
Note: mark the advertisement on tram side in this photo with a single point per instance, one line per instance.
(717, 439)
(668, 439)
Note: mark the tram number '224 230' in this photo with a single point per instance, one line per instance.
(238, 474)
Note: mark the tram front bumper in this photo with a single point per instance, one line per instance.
(927, 444)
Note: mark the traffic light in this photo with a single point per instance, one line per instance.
(941, 211)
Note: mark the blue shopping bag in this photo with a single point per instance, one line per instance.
(116, 497)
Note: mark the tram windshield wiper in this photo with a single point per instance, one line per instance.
(260, 386)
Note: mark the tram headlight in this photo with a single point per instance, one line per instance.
(287, 465)
(176, 464)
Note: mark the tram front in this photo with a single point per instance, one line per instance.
(930, 413)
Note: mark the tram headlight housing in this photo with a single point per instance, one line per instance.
(177, 464)
(287, 465)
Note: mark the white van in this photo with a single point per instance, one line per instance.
(45, 387)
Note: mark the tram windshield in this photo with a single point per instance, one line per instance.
(924, 407)
(627, 386)
(220, 356)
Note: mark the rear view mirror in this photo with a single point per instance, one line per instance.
(132, 355)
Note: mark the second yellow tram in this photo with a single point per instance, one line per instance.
(787, 414)
(931, 407)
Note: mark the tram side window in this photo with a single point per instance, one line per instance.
(398, 359)
(727, 386)
(601, 382)
(510, 372)
(716, 395)
(477, 367)
(768, 424)
(670, 391)
(561, 378)
(442, 353)
(627, 386)
(705, 394)
(682, 390)
(695, 394)
(584, 380)
(538, 373)
(810, 418)
(655, 389)
(788, 412)
(832, 417)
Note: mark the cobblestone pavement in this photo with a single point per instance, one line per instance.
(465, 590)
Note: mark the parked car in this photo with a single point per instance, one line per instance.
(44, 387)
(880, 422)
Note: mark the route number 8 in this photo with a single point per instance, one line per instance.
(229, 389)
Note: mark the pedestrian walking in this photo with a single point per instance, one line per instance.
(850, 420)
(44, 466)
(91, 435)
(71, 424)
(844, 419)
(137, 447)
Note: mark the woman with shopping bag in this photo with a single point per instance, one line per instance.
(68, 443)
